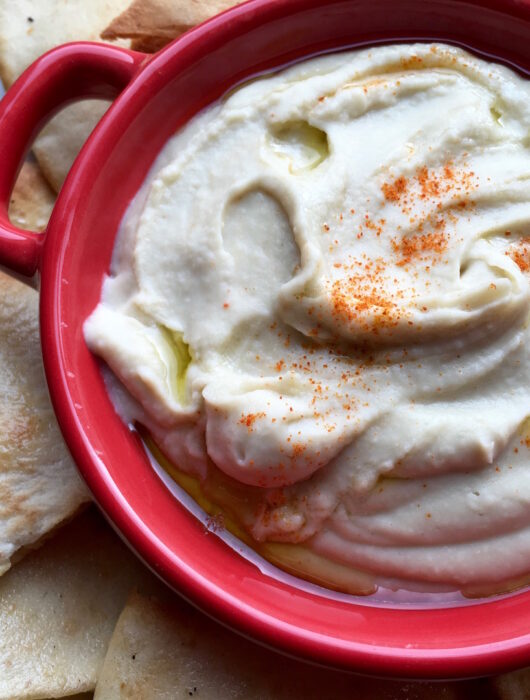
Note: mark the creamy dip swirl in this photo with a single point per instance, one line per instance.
(322, 292)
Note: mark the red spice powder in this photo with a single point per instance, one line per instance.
(431, 185)
(420, 246)
(250, 418)
(361, 297)
(298, 449)
(519, 252)
(393, 191)
(412, 62)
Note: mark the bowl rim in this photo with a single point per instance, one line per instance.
(255, 622)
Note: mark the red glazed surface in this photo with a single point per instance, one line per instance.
(159, 95)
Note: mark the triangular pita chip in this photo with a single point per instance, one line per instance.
(162, 649)
(32, 199)
(513, 686)
(153, 23)
(29, 28)
(58, 608)
(60, 141)
(39, 484)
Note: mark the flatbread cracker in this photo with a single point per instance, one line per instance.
(29, 28)
(39, 484)
(513, 686)
(152, 24)
(32, 199)
(60, 141)
(162, 649)
(58, 608)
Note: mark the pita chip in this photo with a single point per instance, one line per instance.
(162, 649)
(152, 24)
(513, 686)
(29, 28)
(39, 484)
(58, 608)
(32, 199)
(60, 141)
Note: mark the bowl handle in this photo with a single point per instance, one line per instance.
(65, 74)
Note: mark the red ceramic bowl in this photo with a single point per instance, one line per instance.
(159, 94)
